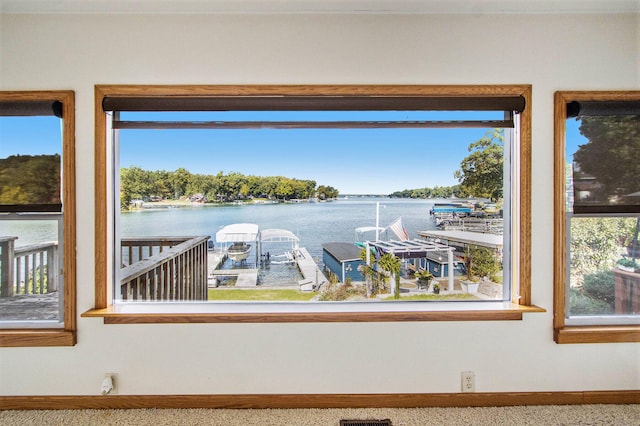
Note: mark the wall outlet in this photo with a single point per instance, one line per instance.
(110, 384)
(468, 381)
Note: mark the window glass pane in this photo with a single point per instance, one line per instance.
(605, 163)
(30, 160)
(30, 251)
(604, 266)
(29, 271)
(328, 189)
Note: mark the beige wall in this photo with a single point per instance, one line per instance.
(551, 52)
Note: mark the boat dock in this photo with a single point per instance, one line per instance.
(312, 276)
(245, 277)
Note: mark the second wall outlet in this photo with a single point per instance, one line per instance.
(468, 381)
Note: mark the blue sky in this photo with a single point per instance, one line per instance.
(372, 161)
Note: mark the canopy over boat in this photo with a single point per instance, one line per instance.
(278, 235)
(238, 232)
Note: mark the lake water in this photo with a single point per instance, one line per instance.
(313, 223)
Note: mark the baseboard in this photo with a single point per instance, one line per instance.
(412, 400)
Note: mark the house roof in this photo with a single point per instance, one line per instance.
(343, 252)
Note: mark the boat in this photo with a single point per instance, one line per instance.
(458, 208)
(239, 251)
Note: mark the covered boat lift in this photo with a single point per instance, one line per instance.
(239, 233)
(275, 235)
(413, 249)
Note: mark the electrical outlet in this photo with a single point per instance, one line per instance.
(110, 384)
(468, 381)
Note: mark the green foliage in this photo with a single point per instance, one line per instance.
(339, 292)
(582, 304)
(481, 172)
(260, 294)
(392, 264)
(481, 262)
(30, 179)
(424, 275)
(595, 243)
(435, 192)
(600, 286)
(136, 183)
(612, 155)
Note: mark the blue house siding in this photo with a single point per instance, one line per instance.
(343, 260)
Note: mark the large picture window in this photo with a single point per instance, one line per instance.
(37, 219)
(252, 195)
(597, 217)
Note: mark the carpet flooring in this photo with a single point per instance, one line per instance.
(570, 415)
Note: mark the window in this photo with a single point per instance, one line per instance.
(37, 219)
(131, 272)
(597, 217)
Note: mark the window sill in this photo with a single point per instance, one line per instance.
(152, 313)
(35, 337)
(598, 334)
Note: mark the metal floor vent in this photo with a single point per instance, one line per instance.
(385, 422)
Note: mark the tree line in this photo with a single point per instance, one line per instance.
(480, 174)
(30, 179)
(139, 184)
(435, 192)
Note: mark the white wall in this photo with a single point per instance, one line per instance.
(551, 52)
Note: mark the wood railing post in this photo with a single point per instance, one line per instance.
(7, 276)
(177, 273)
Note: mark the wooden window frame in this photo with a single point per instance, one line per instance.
(65, 336)
(521, 275)
(577, 333)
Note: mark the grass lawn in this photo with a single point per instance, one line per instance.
(284, 295)
(440, 297)
(261, 295)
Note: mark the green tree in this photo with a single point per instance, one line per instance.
(612, 153)
(595, 244)
(481, 262)
(392, 264)
(30, 179)
(481, 172)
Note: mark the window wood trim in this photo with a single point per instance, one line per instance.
(521, 279)
(65, 336)
(562, 332)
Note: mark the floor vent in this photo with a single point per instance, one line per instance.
(385, 422)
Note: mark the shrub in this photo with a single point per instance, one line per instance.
(581, 304)
(337, 291)
(600, 286)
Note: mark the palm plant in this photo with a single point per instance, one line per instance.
(390, 263)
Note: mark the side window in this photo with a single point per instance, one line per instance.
(597, 216)
(37, 219)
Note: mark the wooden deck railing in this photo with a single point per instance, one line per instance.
(28, 270)
(164, 268)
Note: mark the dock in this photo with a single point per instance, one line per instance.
(312, 276)
(245, 277)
